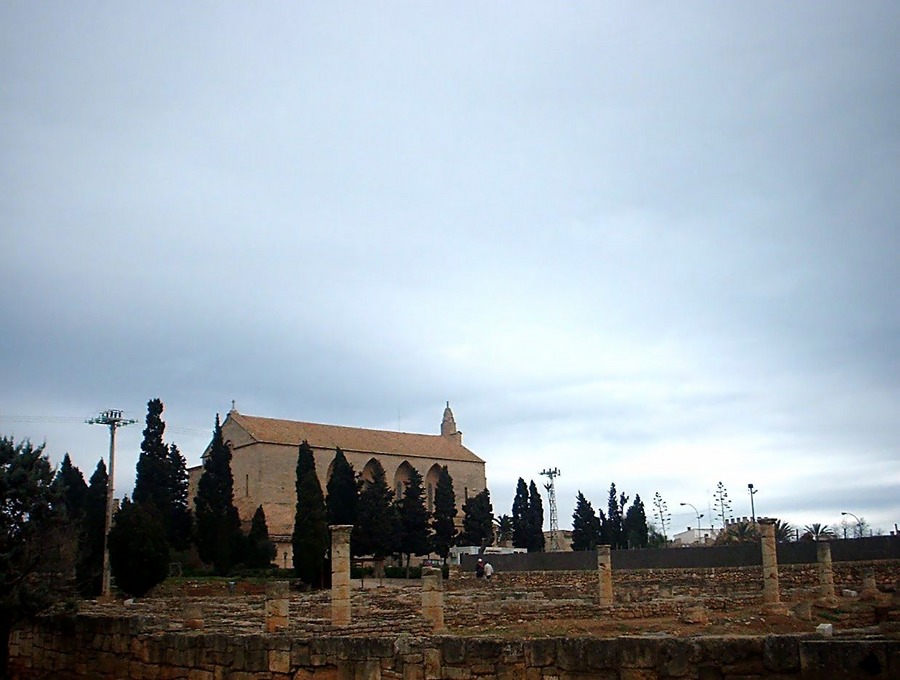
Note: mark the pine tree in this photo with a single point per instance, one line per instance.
(219, 536)
(34, 543)
(443, 522)
(521, 517)
(138, 549)
(637, 532)
(260, 550)
(310, 537)
(413, 520)
(585, 525)
(89, 565)
(377, 529)
(478, 520)
(536, 510)
(71, 484)
(342, 492)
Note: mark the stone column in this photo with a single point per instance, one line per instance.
(433, 597)
(826, 575)
(276, 606)
(771, 593)
(604, 571)
(193, 616)
(340, 574)
(869, 586)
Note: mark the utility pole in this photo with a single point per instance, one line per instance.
(552, 473)
(114, 420)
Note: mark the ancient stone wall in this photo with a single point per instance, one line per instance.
(107, 649)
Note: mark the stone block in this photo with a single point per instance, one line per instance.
(781, 653)
(603, 654)
(453, 650)
(637, 652)
(279, 661)
(432, 663)
(638, 674)
(826, 659)
(571, 654)
(456, 673)
(483, 650)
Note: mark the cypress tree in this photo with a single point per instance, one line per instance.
(342, 492)
(219, 536)
(521, 516)
(152, 482)
(413, 520)
(615, 519)
(443, 522)
(478, 521)
(637, 532)
(180, 518)
(536, 511)
(73, 488)
(377, 530)
(89, 564)
(260, 550)
(138, 549)
(310, 537)
(161, 484)
(585, 525)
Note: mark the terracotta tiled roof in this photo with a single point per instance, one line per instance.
(290, 432)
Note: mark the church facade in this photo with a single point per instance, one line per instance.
(264, 460)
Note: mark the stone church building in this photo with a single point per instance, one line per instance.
(264, 461)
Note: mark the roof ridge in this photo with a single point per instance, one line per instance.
(346, 427)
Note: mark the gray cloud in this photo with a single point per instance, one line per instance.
(654, 246)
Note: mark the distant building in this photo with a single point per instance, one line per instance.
(264, 461)
(696, 537)
(563, 539)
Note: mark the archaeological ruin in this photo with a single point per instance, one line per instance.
(764, 611)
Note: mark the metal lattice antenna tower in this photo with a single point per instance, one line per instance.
(114, 420)
(552, 473)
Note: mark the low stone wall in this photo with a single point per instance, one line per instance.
(797, 581)
(104, 649)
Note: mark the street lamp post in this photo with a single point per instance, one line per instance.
(859, 527)
(752, 506)
(114, 420)
(699, 515)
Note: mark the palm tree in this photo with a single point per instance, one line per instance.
(784, 532)
(742, 532)
(817, 532)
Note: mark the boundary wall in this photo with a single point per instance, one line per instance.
(747, 555)
(108, 649)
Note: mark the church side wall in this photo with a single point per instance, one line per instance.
(265, 474)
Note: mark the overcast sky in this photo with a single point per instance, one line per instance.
(651, 244)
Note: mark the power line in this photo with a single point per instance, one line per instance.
(62, 420)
